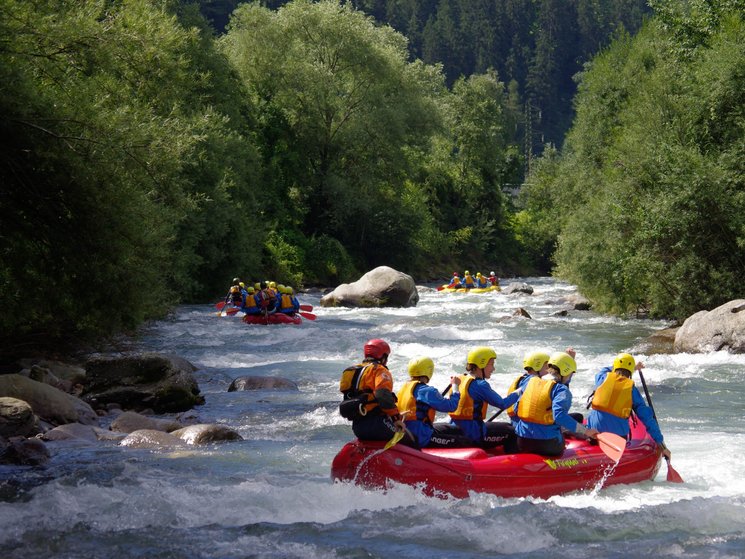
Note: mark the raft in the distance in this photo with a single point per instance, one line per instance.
(458, 472)
(274, 318)
(489, 289)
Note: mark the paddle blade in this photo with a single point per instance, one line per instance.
(306, 307)
(308, 315)
(672, 475)
(231, 312)
(441, 287)
(394, 439)
(219, 306)
(612, 445)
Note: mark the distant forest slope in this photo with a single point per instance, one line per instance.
(538, 44)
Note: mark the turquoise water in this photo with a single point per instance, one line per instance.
(270, 495)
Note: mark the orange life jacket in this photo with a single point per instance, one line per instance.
(614, 395)
(535, 403)
(465, 409)
(408, 403)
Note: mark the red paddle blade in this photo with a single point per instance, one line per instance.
(672, 475)
(219, 306)
(612, 445)
(306, 307)
(441, 287)
(308, 315)
(230, 312)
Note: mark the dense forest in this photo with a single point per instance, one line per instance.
(149, 155)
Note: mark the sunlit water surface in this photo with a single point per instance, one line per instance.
(271, 496)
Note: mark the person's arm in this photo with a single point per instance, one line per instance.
(383, 391)
(432, 397)
(488, 394)
(560, 404)
(644, 413)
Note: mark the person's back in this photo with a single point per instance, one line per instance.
(543, 409)
(615, 397)
(455, 282)
(468, 281)
(480, 281)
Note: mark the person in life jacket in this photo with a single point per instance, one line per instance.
(369, 401)
(616, 397)
(493, 279)
(468, 281)
(286, 305)
(480, 280)
(252, 305)
(475, 396)
(234, 296)
(543, 409)
(535, 364)
(419, 403)
(455, 282)
(266, 299)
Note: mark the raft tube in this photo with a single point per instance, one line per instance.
(457, 472)
(275, 318)
(446, 289)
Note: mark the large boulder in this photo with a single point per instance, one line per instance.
(162, 383)
(381, 287)
(718, 329)
(148, 438)
(23, 452)
(518, 287)
(49, 403)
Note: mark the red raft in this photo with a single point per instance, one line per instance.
(459, 471)
(275, 318)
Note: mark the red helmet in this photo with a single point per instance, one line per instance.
(455, 273)
(377, 349)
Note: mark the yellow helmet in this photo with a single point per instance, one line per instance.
(535, 360)
(624, 361)
(480, 356)
(273, 284)
(421, 367)
(467, 273)
(250, 290)
(564, 362)
(257, 286)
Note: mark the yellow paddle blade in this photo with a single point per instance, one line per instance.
(394, 439)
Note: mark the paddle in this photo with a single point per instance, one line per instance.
(672, 475)
(394, 439)
(220, 306)
(612, 445)
(441, 287)
(231, 312)
(308, 315)
(306, 307)
(496, 415)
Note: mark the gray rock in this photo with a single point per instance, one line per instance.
(75, 374)
(48, 403)
(17, 418)
(147, 381)
(148, 438)
(207, 433)
(722, 328)
(518, 287)
(129, 422)
(75, 431)
(381, 287)
(261, 383)
(24, 452)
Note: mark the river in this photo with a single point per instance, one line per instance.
(270, 496)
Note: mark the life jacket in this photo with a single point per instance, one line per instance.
(468, 408)
(236, 297)
(358, 381)
(455, 282)
(286, 305)
(614, 395)
(515, 383)
(481, 282)
(251, 306)
(407, 402)
(535, 403)
(493, 280)
(468, 281)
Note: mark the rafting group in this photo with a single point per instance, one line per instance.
(469, 283)
(540, 425)
(263, 303)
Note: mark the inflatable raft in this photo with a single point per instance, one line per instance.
(458, 472)
(446, 289)
(275, 318)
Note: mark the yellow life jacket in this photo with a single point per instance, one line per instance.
(614, 395)
(465, 409)
(407, 403)
(535, 403)
(511, 389)
(285, 302)
(468, 281)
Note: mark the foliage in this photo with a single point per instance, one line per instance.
(648, 191)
